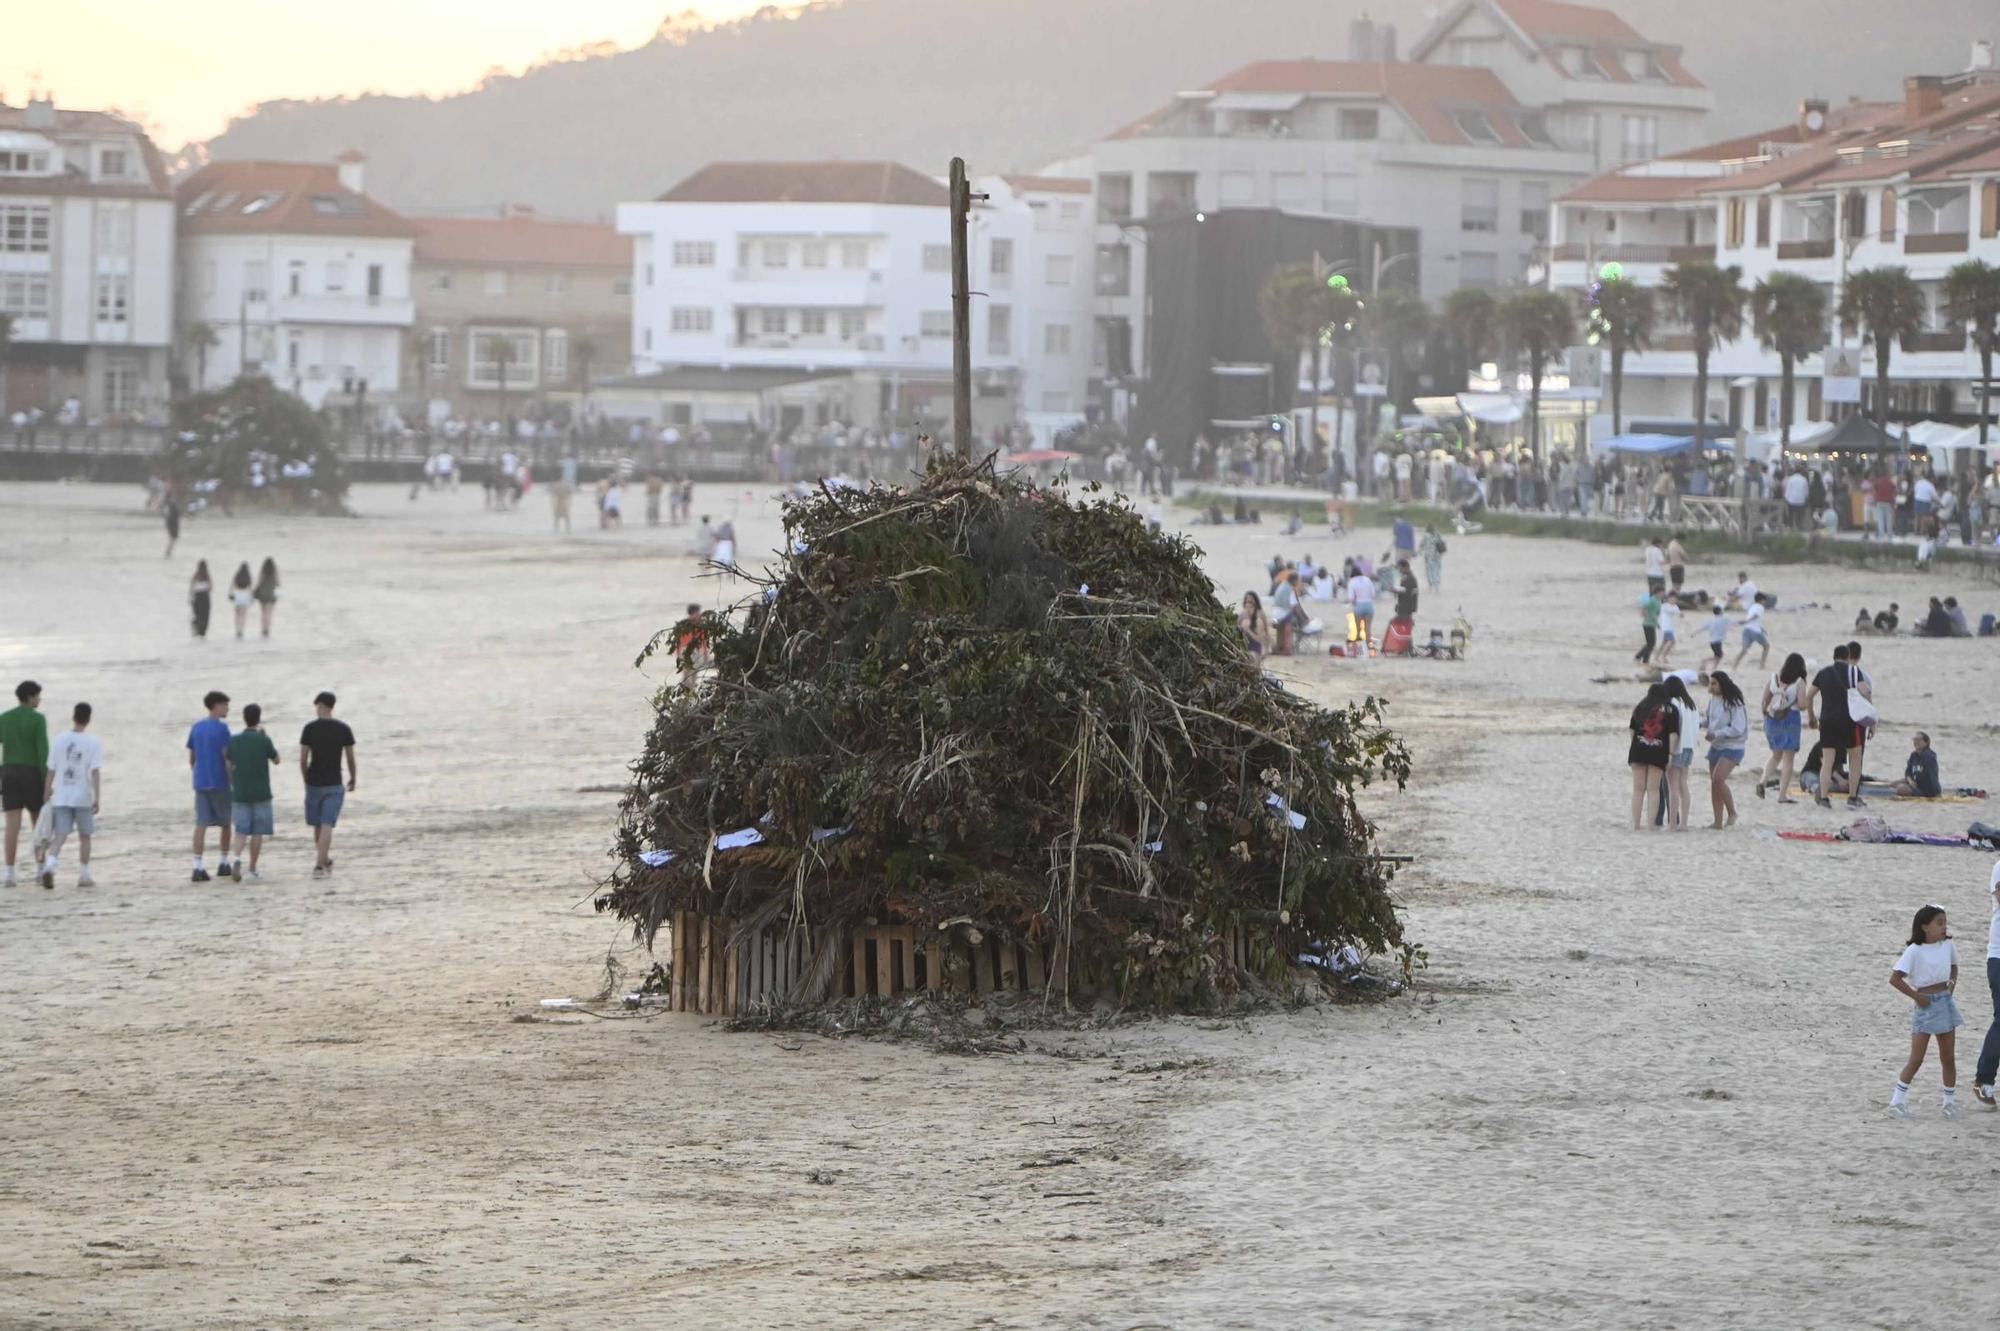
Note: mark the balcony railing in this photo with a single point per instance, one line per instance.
(1952, 339)
(1937, 242)
(1633, 253)
(1805, 249)
(1697, 253)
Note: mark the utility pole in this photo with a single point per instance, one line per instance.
(961, 309)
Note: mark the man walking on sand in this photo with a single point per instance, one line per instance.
(251, 756)
(322, 745)
(24, 754)
(75, 789)
(207, 743)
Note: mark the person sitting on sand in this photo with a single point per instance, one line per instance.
(1886, 620)
(1255, 625)
(1959, 628)
(1937, 623)
(1322, 585)
(1863, 623)
(1920, 770)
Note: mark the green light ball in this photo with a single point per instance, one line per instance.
(1612, 272)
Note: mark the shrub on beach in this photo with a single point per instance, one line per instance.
(979, 701)
(253, 442)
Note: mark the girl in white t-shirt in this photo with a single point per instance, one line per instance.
(1670, 623)
(1928, 972)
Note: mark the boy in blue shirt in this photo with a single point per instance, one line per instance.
(207, 744)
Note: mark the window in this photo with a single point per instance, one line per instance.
(1170, 193)
(1642, 138)
(1071, 211)
(1054, 400)
(773, 323)
(853, 254)
(1114, 197)
(1238, 189)
(24, 163)
(1059, 269)
(646, 338)
(694, 254)
(555, 355)
(24, 228)
(112, 163)
(812, 323)
(1479, 268)
(555, 284)
(338, 205)
(1001, 262)
(937, 258)
(693, 319)
(1535, 209)
(1732, 223)
(1340, 194)
(1763, 223)
(853, 323)
(437, 353)
(261, 203)
(508, 354)
(776, 254)
(256, 280)
(114, 299)
(1288, 189)
(1114, 269)
(1534, 127)
(812, 254)
(999, 330)
(1581, 61)
(496, 282)
(295, 277)
(440, 281)
(1476, 126)
(1055, 339)
(1480, 210)
(649, 274)
(114, 228)
(1989, 209)
(1939, 212)
(934, 323)
(336, 276)
(1357, 123)
(24, 295)
(121, 386)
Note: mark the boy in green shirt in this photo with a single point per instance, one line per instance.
(250, 757)
(24, 754)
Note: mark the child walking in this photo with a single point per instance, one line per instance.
(1927, 972)
(1718, 631)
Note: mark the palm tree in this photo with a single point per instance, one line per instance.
(200, 338)
(1622, 318)
(1471, 320)
(1971, 296)
(1790, 313)
(1709, 300)
(1298, 306)
(1400, 320)
(1888, 305)
(1538, 325)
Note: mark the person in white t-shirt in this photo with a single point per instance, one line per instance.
(1656, 567)
(74, 786)
(1989, 1052)
(1745, 592)
(1927, 973)
(1670, 623)
(1753, 634)
(1361, 597)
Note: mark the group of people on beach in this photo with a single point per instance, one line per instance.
(244, 592)
(53, 789)
(1359, 581)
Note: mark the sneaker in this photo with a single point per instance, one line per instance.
(49, 879)
(236, 870)
(83, 879)
(1856, 802)
(256, 877)
(9, 880)
(1821, 801)
(1984, 1094)
(1899, 1111)
(1760, 790)
(1950, 1109)
(199, 876)
(319, 872)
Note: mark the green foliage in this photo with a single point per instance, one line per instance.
(1887, 306)
(1005, 697)
(253, 426)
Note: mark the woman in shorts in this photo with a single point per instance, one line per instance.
(1783, 727)
(1728, 725)
(1683, 756)
(1655, 731)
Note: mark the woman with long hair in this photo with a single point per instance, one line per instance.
(239, 595)
(1655, 732)
(1728, 725)
(1255, 624)
(266, 593)
(199, 588)
(1683, 755)
(1782, 727)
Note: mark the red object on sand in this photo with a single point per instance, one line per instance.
(1396, 640)
(1029, 457)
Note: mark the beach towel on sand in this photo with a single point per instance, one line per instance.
(1877, 832)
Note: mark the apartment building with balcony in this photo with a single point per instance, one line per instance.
(290, 270)
(840, 273)
(515, 310)
(86, 263)
(1912, 184)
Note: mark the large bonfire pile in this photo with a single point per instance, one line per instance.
(976, 700)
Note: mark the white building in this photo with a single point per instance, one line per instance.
(86, 263)
(1912, 184)
(1501, 106)
(841, 272)
(294, 273)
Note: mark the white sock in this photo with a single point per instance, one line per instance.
(1900, 1094)
(1950, 1094)
(197, 862)
(50, 864)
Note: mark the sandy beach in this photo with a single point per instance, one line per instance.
(1640, 1084)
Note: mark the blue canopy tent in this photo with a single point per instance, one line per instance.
(1647, 445)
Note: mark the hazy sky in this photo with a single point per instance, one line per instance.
(185, 67)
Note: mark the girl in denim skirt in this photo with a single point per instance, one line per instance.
(1928, 972)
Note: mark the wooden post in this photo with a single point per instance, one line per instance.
(677, 993)
(908, 945)
(934, 965)
(705, 981)
(961, 310)
(860, 989)
(1010, 976)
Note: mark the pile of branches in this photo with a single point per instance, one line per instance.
(978, 701)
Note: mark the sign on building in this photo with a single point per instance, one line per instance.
(1842, 380)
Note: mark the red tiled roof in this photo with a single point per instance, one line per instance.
(1966, 121)
(1986, 163)
(1569, 23)
(521, 240)
(1047, 184)
(97, 124)
(809, 182)
(1427, 94)
(1616, 188)
(305, 198)
(1545, 25)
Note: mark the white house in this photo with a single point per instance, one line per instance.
(1913, 184)
(86, 263)
(296, 274)
(841, 273)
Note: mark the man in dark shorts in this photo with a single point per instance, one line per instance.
(1837, 735)
(24, 757)
(1677, 561)
(208, 747)
(322, 745)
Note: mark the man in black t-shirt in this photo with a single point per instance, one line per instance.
(322, 745)
(1825, 704)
